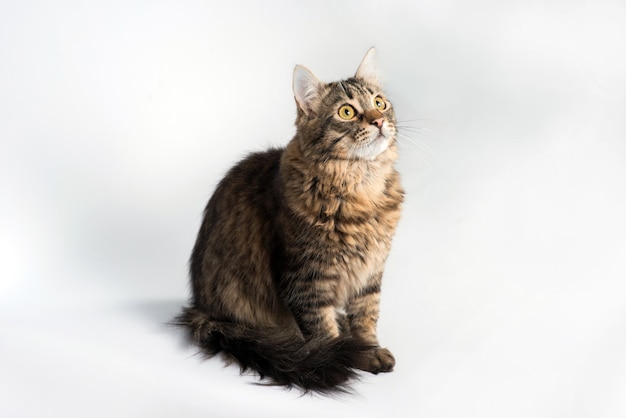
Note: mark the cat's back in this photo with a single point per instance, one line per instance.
(252, 173)
(246, 186)
(238, 220)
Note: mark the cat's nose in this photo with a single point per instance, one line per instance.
(374, 117)
(378, 122)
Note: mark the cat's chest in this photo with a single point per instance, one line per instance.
(359, 248)
(348, 221)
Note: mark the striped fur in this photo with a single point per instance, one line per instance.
(287, 267)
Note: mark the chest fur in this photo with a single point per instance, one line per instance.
(348, 212)
(360, 247)
(356, 230)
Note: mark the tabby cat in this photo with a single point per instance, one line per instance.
(286, 269)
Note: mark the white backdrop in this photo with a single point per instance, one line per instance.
(505, 291)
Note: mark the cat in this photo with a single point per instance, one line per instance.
(287, 266)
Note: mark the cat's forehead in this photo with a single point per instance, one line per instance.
(352, 88)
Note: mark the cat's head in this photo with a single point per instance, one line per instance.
(349, 119)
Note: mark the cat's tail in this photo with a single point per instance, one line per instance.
(283, 357)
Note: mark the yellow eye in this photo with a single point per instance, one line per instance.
(379, 103)
(346, 112)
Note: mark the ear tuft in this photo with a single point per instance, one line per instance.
(306, 88)
(367, 69)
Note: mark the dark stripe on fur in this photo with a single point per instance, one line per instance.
(355, 84)
(333, 143)
(374, 288)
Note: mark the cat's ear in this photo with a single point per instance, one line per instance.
(367, 70)
(307, 89)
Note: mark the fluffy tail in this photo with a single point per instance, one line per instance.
(283, 357)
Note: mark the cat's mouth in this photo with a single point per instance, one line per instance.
(376, 136)
(380, 136)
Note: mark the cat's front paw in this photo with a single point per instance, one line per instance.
(378, 360)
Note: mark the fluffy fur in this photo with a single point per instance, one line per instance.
(286, 270)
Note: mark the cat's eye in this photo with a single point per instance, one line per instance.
(346, 112)
(379, 103)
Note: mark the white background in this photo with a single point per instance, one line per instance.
(504, 295)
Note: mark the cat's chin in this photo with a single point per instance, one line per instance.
(372, 149)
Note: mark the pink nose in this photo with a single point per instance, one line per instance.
(374, 117)
(378, 122)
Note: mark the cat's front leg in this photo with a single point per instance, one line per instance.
(363, 316)
(312, 300)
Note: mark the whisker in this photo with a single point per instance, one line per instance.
(418, 147)
(401, 120)
(405, 140)
(417, 142)
(418, 130)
